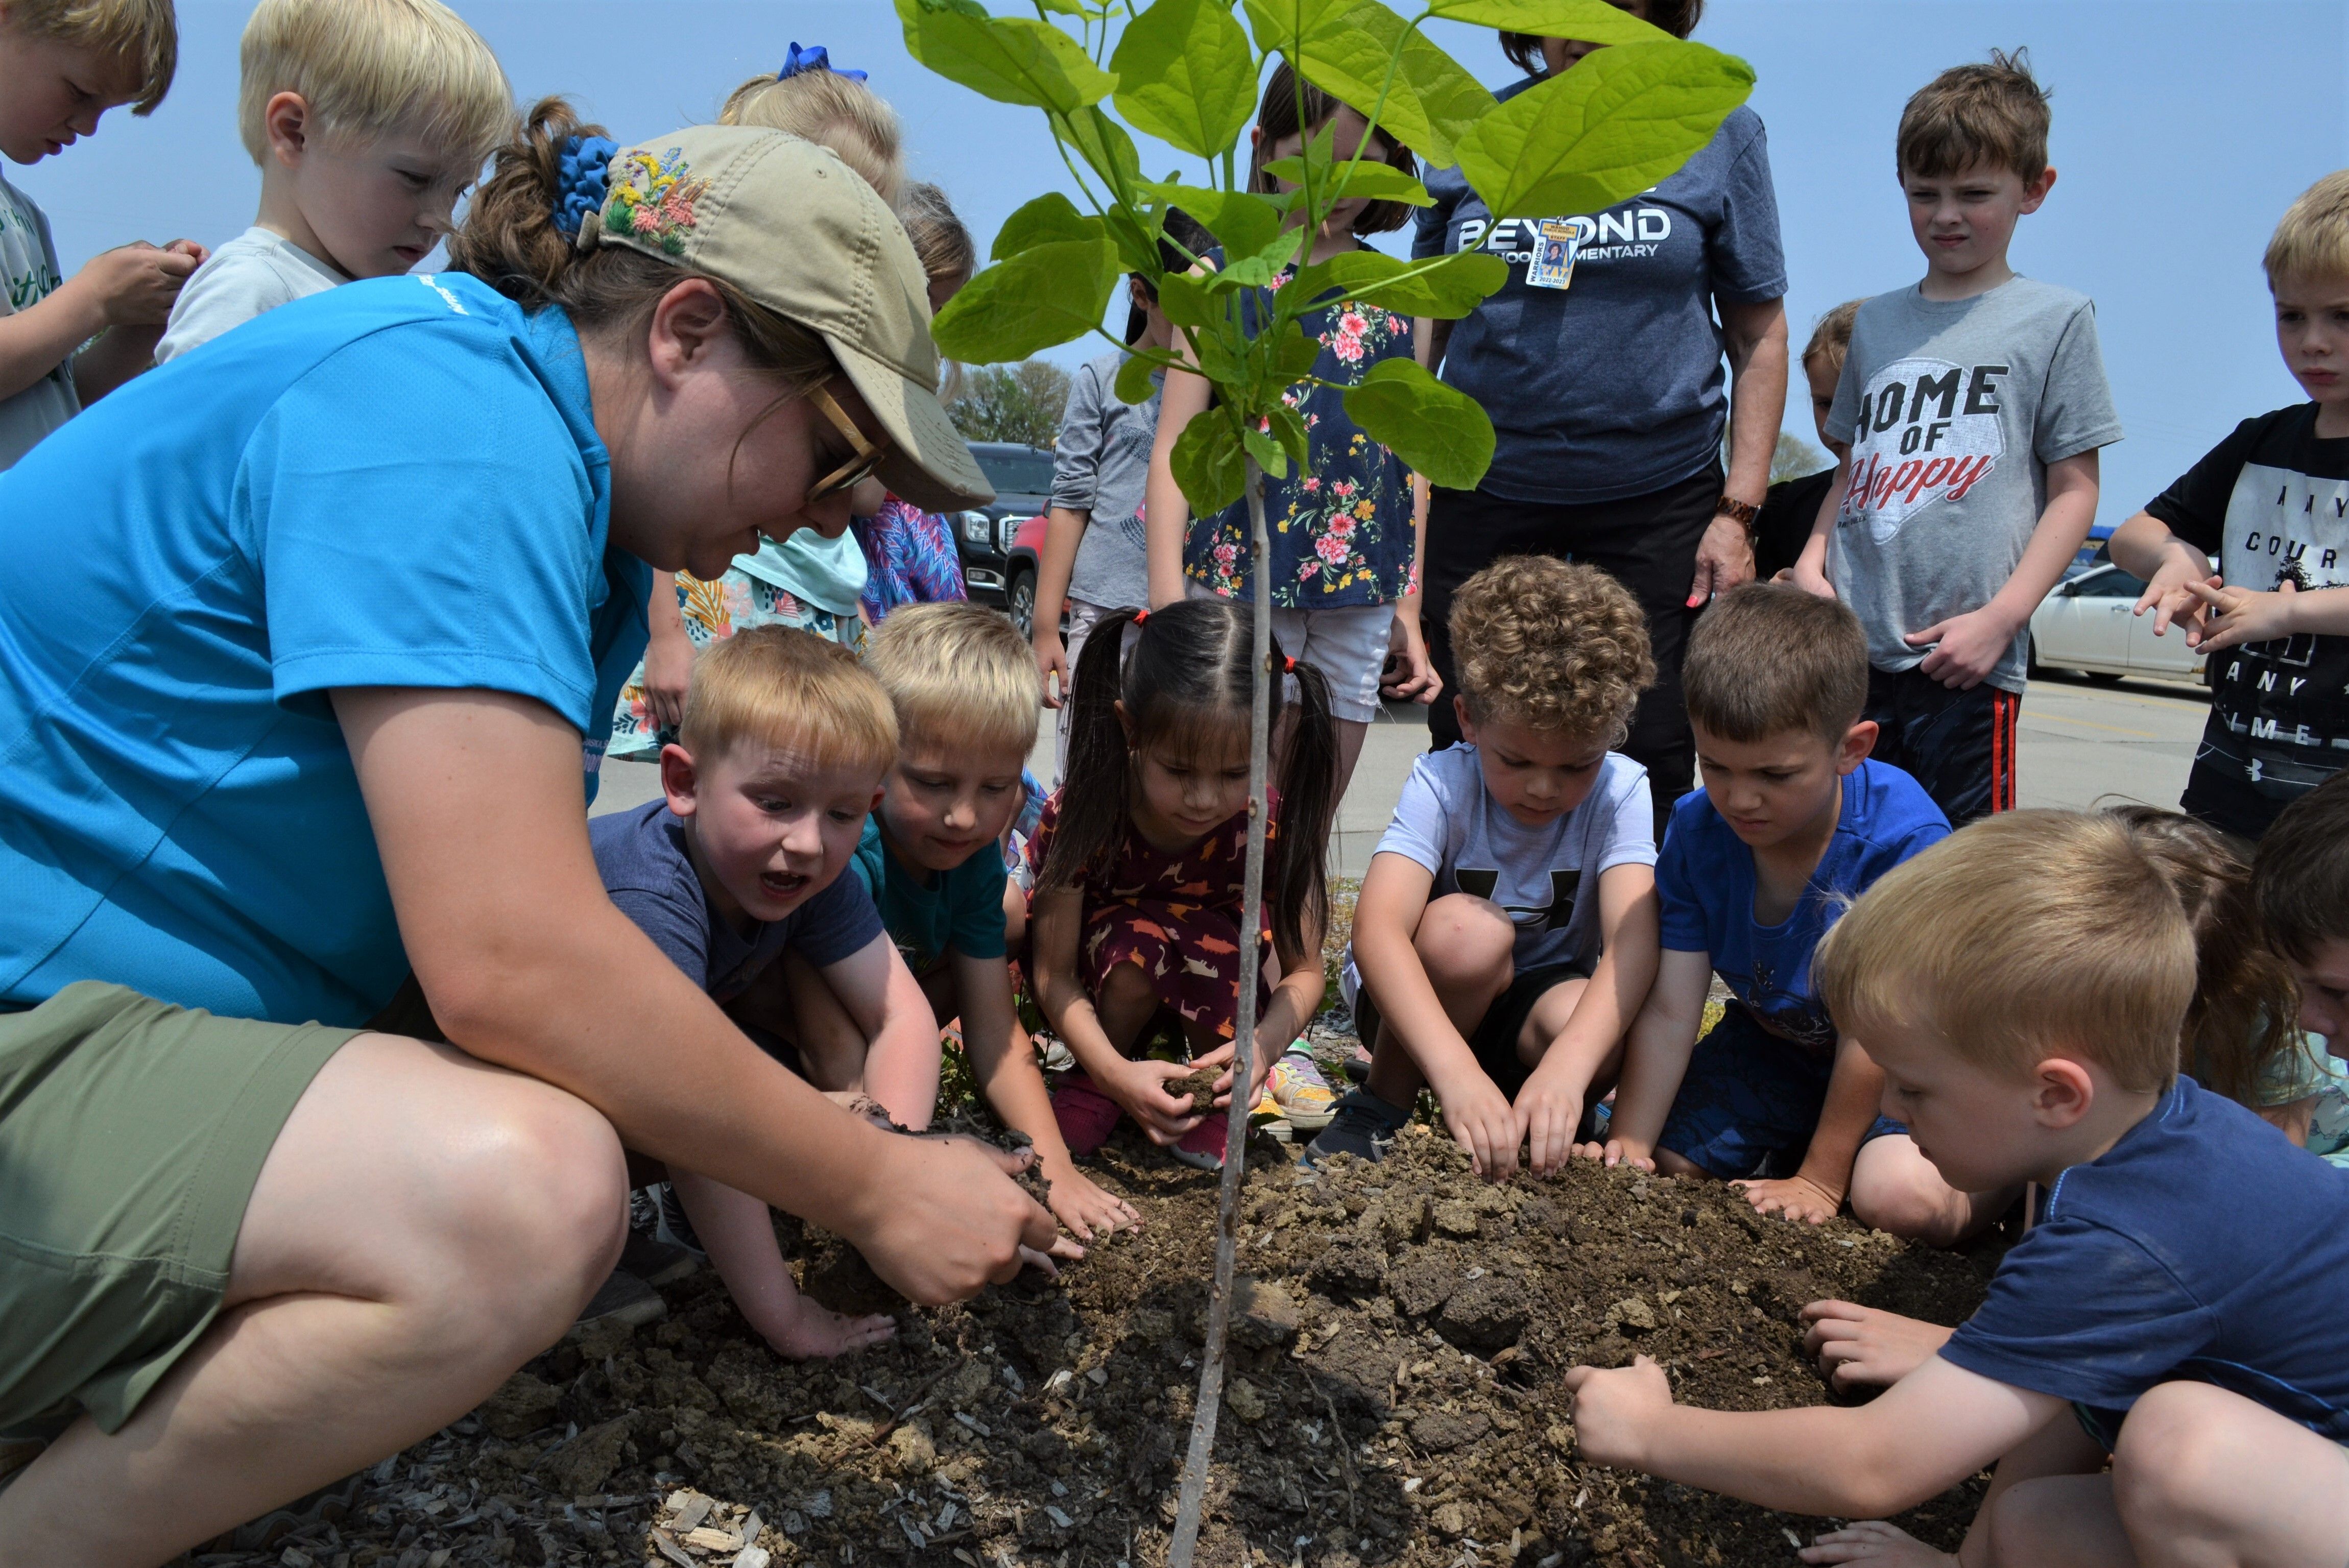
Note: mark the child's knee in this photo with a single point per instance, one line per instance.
(2181, 1458)
(1464, 939)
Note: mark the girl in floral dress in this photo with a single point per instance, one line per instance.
(1343, 532)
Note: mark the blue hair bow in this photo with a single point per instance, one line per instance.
(582, 177)
(811, 58)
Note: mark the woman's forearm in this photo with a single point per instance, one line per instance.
(1756, 347)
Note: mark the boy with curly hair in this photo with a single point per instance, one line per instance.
(1482, 964)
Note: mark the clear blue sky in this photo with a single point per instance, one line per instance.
(2183, 128)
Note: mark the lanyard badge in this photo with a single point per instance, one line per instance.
(1555, 248)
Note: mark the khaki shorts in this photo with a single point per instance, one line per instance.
(131, 1133)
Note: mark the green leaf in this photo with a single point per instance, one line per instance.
(1103, 144)
(1011, 59)
(1187, 75)
(1343, 49)
(1446, 291)
(1591, 21)
(1623, 119)
(1047, 294)
(1068, 8)
(1185, 300)
(1051, 216)
(1209, 463)
(1133, 383)
(1439, 430)
(1244, 223)
(1288, 429)
(1268, 452)
(1369, 180)
(1259, 269)
(1292, 355)
(959, 8)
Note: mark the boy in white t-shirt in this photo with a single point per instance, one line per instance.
(368, 119)
(1506, 933)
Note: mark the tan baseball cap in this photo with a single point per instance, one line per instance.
(799, 231)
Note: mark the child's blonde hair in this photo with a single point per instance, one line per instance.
(789, 688)
(2313, 240)
(1550, 645)
(832, 111)
(2026, 936)
(1994, 113)
(949, 255)
(960, 675)
(144, 34)
(1831, 338)
(370, 67)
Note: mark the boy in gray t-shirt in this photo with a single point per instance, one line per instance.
(1974, 402)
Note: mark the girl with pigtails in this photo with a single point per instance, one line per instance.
(1138, 862)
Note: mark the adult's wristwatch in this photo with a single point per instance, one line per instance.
(1744, 512)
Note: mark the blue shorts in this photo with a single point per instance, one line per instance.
(1750, 1101)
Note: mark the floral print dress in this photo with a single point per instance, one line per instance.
(1341, 533)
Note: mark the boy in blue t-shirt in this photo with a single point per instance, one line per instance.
(779, 759)
(2174, 1316)
(1793, 822)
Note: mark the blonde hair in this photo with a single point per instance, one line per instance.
(1552, 645)
(2313, 240)
(144, 34)
(959, 674)
(1831, 338)
(2025, 935)
(369, 68)
(1994, 114)
(832, 111)
(789, 688)
(948, 252)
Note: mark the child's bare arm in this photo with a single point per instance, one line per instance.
(1057, 918)
(1552, 1101)
(1810, 569)
(668, 655)
(1166, 514)
(1064, 529)
(1008, 1075)
(735, 1230)
(1926, 1433)
(901, 1061)
(1970, 645)
(1816, 1191)
(133, 285)
(2144, 547)
(1657, 1058)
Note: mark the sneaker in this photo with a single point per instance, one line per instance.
(675, 1230)
(1303, 1095)
(1202, 1148)
(654, 1260)
(624, 1298)
(1363, 1125)
(1086, 1116)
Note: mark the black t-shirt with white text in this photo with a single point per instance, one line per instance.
(2271, 502)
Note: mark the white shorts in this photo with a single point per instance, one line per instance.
(1347, 644)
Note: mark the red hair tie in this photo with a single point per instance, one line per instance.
(1140, 616)
(1288, 664)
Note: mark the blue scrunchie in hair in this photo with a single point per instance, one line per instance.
(811, 58)
(583, 175)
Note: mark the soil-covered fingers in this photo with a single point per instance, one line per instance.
(948, 1219)
(1794, 1198)
(1873, 1541)
(1483, 1121)
(1622, 1152)
(818, 1333)
(1087, 1209)
(1866, 1344)
(1142, 1090)
(1551, 1120)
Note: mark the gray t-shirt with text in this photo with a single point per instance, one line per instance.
(28, 258)
(1099, 465)
(1953, 409)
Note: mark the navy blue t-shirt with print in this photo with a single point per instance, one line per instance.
(1704, 881)
(2201, 1247)
(648, 873)
(1600, 360)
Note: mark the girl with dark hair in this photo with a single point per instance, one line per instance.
(1600, 362)
(1138, 864)
(1343, 548)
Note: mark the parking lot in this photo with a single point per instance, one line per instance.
(2083, 743)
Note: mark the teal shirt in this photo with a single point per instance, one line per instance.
(961, 908)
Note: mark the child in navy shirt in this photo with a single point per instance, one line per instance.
(1793, 821)
(779, 758)
(2161, 1369)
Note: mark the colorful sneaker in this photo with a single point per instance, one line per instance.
(1304, 1095)
(1086, 1116)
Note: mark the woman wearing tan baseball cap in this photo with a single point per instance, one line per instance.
(373, 566)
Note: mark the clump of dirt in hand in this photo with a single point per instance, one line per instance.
(1199, 1086)
(1394, 1394)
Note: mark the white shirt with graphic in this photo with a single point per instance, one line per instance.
(1953, 409)
(28, 258)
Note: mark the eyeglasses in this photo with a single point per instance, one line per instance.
(858, 468)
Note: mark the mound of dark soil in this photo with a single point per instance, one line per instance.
(1395, 1396)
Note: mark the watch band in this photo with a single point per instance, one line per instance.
(1744, 512)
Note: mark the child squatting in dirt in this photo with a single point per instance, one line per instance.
(2023, 986)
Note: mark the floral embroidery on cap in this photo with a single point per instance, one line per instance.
(653, 201)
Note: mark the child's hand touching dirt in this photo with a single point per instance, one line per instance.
(1085, 1208)
(1875, 1541)
(1551, 1111)
(1792, 1198)
(1148, 1091)
(1620, 1151)
(1615, 1412)
(1856, 1345)
(803, 1331)
(1482, 1120)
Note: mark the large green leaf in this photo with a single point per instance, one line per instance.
(1369, 180)
(1260, 269)
(1185, 74)
(1133, 383)
(1437, 430)
(1047, 294)
(1344, 49)
(1242, 223)
(1621, 121)
(1011, 59)
(1592, 21)
(1051, 216)
(1104, 146)
(1447, 290)
(1209, 462)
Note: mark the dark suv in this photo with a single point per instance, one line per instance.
(1022, 478)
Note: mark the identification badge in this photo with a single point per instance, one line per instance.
(1555, 248)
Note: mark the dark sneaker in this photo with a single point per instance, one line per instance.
(675, 1230)
(624, 1298)
(654, 1260)
(1364, 1126)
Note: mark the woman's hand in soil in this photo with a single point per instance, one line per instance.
(1873, 1541)
(1794, 1198)
(1482, 1120)
(1141, 1089)
(1085, 1208)
(1856, 1345)
(1615, 1412)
